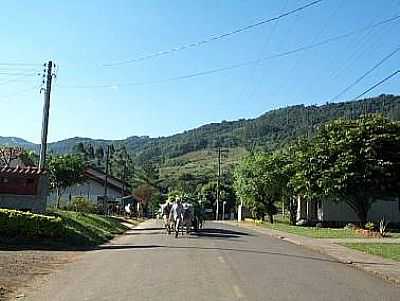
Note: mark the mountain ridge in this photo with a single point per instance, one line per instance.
(268, 131)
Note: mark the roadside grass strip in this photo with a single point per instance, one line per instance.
(313, 232)
(57, 227)
(89, 229)
(282, 224)
(386, 250)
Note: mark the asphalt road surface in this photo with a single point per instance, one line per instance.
(220, 263)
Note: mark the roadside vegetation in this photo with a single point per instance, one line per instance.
(352, 161)
(59, 228)
(386, 250)
(313, 232)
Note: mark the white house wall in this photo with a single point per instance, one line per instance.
(90, 189)
(341, 212)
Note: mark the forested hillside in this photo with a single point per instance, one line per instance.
(268, 131)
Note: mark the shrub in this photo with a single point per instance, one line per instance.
(82, 204)
(370, 226)
(26, 225)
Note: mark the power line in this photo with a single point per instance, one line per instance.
(213, 37)
(366, 73)
(21, 92)
(18, 64)
(18, 73)
(252, 90)
(376, 85)
(235, 66)
(18, 79)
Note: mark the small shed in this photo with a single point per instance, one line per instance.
(23, 188)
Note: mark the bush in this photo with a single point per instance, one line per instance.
(26, 225)
(82, 204)
(370, 226)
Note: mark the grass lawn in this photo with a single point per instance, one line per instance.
(313, 231)
(89, 229)
(58, 229)
(386, 250)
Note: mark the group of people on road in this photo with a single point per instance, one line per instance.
(173, 215)
(179, 215)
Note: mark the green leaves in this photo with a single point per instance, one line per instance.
(354, 159)
(261, 179)
(65, 171)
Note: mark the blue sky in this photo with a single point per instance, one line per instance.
(82, 36)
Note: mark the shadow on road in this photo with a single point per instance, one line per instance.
(152, 232)
(203, 233)
(222, 231)
(48, 245)
(260, 252)
(145, 229)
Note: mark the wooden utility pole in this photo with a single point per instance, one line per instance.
(45, 118)
(124, 177)
(106, 179)
(218, 182)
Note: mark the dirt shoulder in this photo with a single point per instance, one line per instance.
(27, 265)
(21, 269)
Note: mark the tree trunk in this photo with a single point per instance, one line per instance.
(58, 198)
(271, 218)
(292, 211)
(362, 212)
(362, 215)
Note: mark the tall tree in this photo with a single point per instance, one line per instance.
(355, 161)
(65, 171)
(255, 184)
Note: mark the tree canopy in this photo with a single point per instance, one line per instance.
(65, 171)
(352, 161)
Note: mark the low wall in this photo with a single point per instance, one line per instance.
(34, 203)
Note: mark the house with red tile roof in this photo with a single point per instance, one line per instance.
(23, 188)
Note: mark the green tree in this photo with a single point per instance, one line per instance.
(65, 171)
(355, 161)
(256, 185)
(29, 158)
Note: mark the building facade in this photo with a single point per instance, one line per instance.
(23, 188)
(94, 188)
(331, 212)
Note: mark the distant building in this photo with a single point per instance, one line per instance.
(23, 188)
(340, 213)
(93, 188)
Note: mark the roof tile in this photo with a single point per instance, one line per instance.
(19, 170)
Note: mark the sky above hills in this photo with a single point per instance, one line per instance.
(93, 99)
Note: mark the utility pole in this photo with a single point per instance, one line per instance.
(106, 180)
(307, 123)
(124, 177)
(45, 118)
(218, 181)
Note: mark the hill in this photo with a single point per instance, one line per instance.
(195, 149)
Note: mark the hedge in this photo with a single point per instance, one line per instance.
(26, 225)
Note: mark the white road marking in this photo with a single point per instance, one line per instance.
(237, 291)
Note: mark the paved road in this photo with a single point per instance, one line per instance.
(222, 263)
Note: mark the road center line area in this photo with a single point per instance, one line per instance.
(220, 262)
